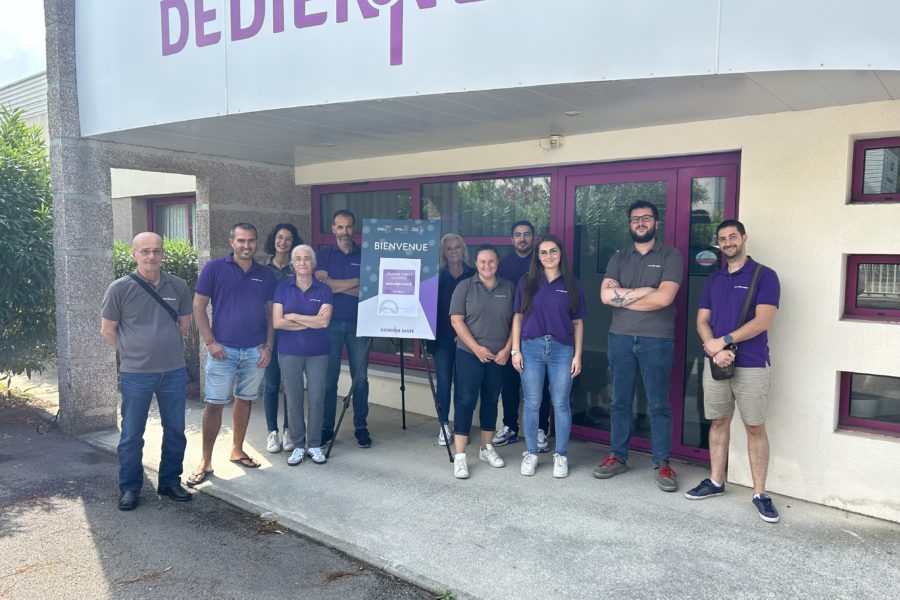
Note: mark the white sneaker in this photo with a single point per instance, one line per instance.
(460, 467)
(296, 457)
(560, 466)
(529, 463)
(543, 445)
(489, 455)
(442, 441)
(272, 443)
(286, 442)
(317, 455)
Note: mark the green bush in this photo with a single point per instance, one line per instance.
(179, 259)
(27, 319)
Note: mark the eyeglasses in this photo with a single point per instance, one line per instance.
(148, 251)
(550, 252)
(640, 219)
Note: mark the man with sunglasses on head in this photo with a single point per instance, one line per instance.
(640, 285)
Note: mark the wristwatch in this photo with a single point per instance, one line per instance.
(728, 339)
(513, 352)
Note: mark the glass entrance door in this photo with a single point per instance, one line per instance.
(692, 198)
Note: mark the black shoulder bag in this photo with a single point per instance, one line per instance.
(720, 373)
(155, 296)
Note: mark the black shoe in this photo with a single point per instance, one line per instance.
(176, 493)
(128, 500)
(363, 439)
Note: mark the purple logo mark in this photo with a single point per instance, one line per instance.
(175, 19)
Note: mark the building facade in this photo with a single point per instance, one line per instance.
(482, 112)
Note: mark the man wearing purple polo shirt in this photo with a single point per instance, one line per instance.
(721, 304)
(513, 268)
(239, 341)
(338, 267)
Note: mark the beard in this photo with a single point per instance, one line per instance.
(643, 238)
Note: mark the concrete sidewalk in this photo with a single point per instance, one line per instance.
(499, 534)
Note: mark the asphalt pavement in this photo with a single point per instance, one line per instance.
(62, 535)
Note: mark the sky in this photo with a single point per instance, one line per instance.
(21, 39)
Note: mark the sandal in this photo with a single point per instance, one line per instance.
(246, 462)
(197, 477)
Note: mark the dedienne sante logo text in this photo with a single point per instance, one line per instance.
(178, 21)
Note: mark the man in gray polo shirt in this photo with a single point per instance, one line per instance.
(640, 285)
(151, 355)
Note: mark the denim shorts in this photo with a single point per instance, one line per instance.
(235, 375)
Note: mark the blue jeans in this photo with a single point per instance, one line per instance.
(653, 357)
(270, 394)
(474, 378)
(235, 375)
(341, 334)
(510, 395)
(137, 392)
(546, 355)
(444, 352)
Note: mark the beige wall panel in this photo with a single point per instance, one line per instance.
(795, 172)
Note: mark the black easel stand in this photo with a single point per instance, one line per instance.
(400, 343)
(448, 435)
(349, 395)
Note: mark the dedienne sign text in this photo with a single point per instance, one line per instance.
(177, 24)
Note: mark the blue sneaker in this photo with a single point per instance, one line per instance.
(765, 508)
(706, 489)
(505, 436)
(363, 439)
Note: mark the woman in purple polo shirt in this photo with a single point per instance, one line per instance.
(454, 269)
(547, 338)
(301, 312)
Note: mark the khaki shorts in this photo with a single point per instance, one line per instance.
(749, 388)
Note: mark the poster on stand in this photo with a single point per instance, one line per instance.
(398, 281)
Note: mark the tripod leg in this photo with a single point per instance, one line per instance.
(448, 435)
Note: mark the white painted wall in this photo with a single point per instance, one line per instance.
(131, 183)
(795, 179)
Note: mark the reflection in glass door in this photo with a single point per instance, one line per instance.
(694, 195)
(601, 228)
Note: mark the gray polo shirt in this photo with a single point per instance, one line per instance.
(488, 313)
(634, 270)
(147, 337)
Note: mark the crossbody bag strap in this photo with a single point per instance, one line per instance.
(155, 296)
(746, 308)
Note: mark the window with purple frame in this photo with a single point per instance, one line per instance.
(873, 287)
(870, 403)
(876, 170)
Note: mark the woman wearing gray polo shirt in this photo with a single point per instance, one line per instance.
(481, 313)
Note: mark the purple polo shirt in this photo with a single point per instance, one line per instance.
(724, 294)
(549, 313)
(306, 342)
(446, 285)
(341, 266)
(512, 268)
(238, 300)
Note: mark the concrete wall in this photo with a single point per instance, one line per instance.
(795, 180)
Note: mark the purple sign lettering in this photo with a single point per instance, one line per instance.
(259, 14)
(165, 7)
(399, 282)
(368, 9)
(201, 18)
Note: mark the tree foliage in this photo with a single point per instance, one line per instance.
(27, 320)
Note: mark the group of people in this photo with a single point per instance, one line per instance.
(501, 326)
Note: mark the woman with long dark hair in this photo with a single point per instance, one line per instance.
(281, 241)
(547, 340)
